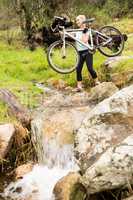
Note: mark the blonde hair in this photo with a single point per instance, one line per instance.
(82, 17)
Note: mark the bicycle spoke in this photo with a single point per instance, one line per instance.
(63, 59)
(113, 47)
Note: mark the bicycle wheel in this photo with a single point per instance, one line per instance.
(113, 48)
(63, 60)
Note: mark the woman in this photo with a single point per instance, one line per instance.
(85, 56)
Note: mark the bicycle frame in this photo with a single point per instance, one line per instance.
(70, 32)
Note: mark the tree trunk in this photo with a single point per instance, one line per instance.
(15, 107)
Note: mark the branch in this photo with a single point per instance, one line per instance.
(16, 109)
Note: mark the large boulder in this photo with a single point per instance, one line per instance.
(113, 170)
(108, 124)
(7, 132)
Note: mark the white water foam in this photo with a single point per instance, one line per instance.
(39, 183)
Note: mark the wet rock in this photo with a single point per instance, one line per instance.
(57, 120)
(7, 132)
(69, 188)
(22, 170)
(56, 128)
(109, 123)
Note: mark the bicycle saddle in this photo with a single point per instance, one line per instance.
(89, 20)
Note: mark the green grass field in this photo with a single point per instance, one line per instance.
(20, 68)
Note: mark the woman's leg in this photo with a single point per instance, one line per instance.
(79, 68)
(89, 63)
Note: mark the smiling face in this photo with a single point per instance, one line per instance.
(79, 21)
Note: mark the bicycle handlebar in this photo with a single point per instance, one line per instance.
(88, 20)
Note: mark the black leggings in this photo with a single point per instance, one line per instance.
(85, 56)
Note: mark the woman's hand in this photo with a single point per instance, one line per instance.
(85, 30)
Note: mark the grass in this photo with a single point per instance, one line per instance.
(125, 25)
(20, 68)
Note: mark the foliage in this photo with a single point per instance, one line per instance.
(32, 13)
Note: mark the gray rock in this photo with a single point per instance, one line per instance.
(112, 62)
(113, 170)
(106, 125)
(112, 71)
(102, 91)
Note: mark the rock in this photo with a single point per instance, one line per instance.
(56, 127)
(112, 72)
(112, 62)
(109, 123)
(7, 132)
(58, 84)
(64, 100)
(22, 170)
(71, 99)
(69, 188)
(102, 91)
(113, 170)
(123, 78)
(61, 115)
(32, 197)
(21, 134)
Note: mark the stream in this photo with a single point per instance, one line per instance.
(39, 183)
(54, 162)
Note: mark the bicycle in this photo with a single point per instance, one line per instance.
(63, 56)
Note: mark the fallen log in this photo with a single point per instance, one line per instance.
(16, 109)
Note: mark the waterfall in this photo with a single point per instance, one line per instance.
(55, 162)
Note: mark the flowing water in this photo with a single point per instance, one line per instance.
(55, 161)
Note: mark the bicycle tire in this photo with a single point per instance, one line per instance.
(72, 53)
(113, 46)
